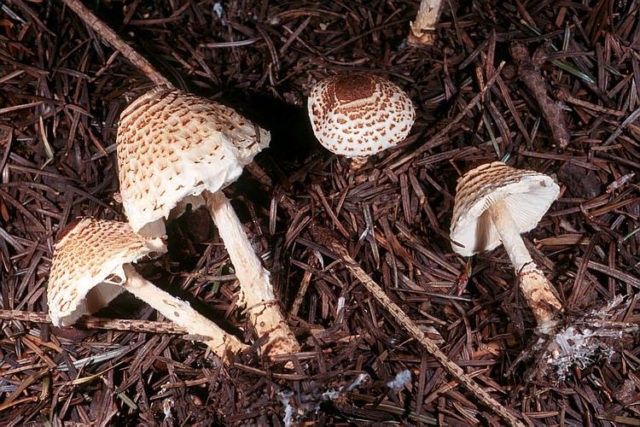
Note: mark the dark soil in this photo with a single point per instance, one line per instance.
(569, 67)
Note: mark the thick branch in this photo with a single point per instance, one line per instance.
(90, 322)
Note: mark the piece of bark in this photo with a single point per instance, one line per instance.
(529, 73)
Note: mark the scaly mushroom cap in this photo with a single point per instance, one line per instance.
(527, 194)
(86, 269)
(172, 145)
(358, 115)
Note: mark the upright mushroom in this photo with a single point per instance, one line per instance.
(175, 147)
(91, 265)
(421, 31)
(359, 115)
(494, 203)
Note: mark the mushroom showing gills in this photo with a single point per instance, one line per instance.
(359, 115)
(494, 203)
(92, 265)
(175, 148)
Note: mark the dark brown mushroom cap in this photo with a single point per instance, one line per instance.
(527, 194)
(172, 145)
(358, 115)
(86, 269)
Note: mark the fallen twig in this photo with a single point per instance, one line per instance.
(323, 236)
(90, 322)
(529, 73)
(109, 36)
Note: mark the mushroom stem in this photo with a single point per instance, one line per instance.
(510, 236)
(535, 287)
(540, 296)
(423, 28)
(182, 314)
(357, 163)
(257, 292)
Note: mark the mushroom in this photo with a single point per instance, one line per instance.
(359, 115)
(421, 31)
(494, 203)
(92, 264)
(175, 148)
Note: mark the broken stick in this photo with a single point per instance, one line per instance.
(90, 322)
(323, 236)
(109, 36)
(529, 73)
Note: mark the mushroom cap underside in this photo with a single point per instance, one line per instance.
(359, 114)
(526, 194)
(86, 269)
(171, 145)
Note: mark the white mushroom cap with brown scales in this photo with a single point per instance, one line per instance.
(172, 145)
(360, 114)
(91, 265)
(526, 194)
(175, 147)
(494, 204)
(86, 269)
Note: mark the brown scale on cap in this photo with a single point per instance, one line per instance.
(349, 88)
(89, 253)
(358, 115)
(172, 144)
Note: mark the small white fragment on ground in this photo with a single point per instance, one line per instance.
(359, 380)
(331, 394)
(296, 408)
(318, 256)
(218, 9)
(401, 379)
(289, 410)
(340, 306)
(572, 347)
(167, 404)
(578, 347)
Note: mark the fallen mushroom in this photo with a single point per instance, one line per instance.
(175, 148)
(92, 264)
(359, 115)
(494, 203)
(422, 30)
